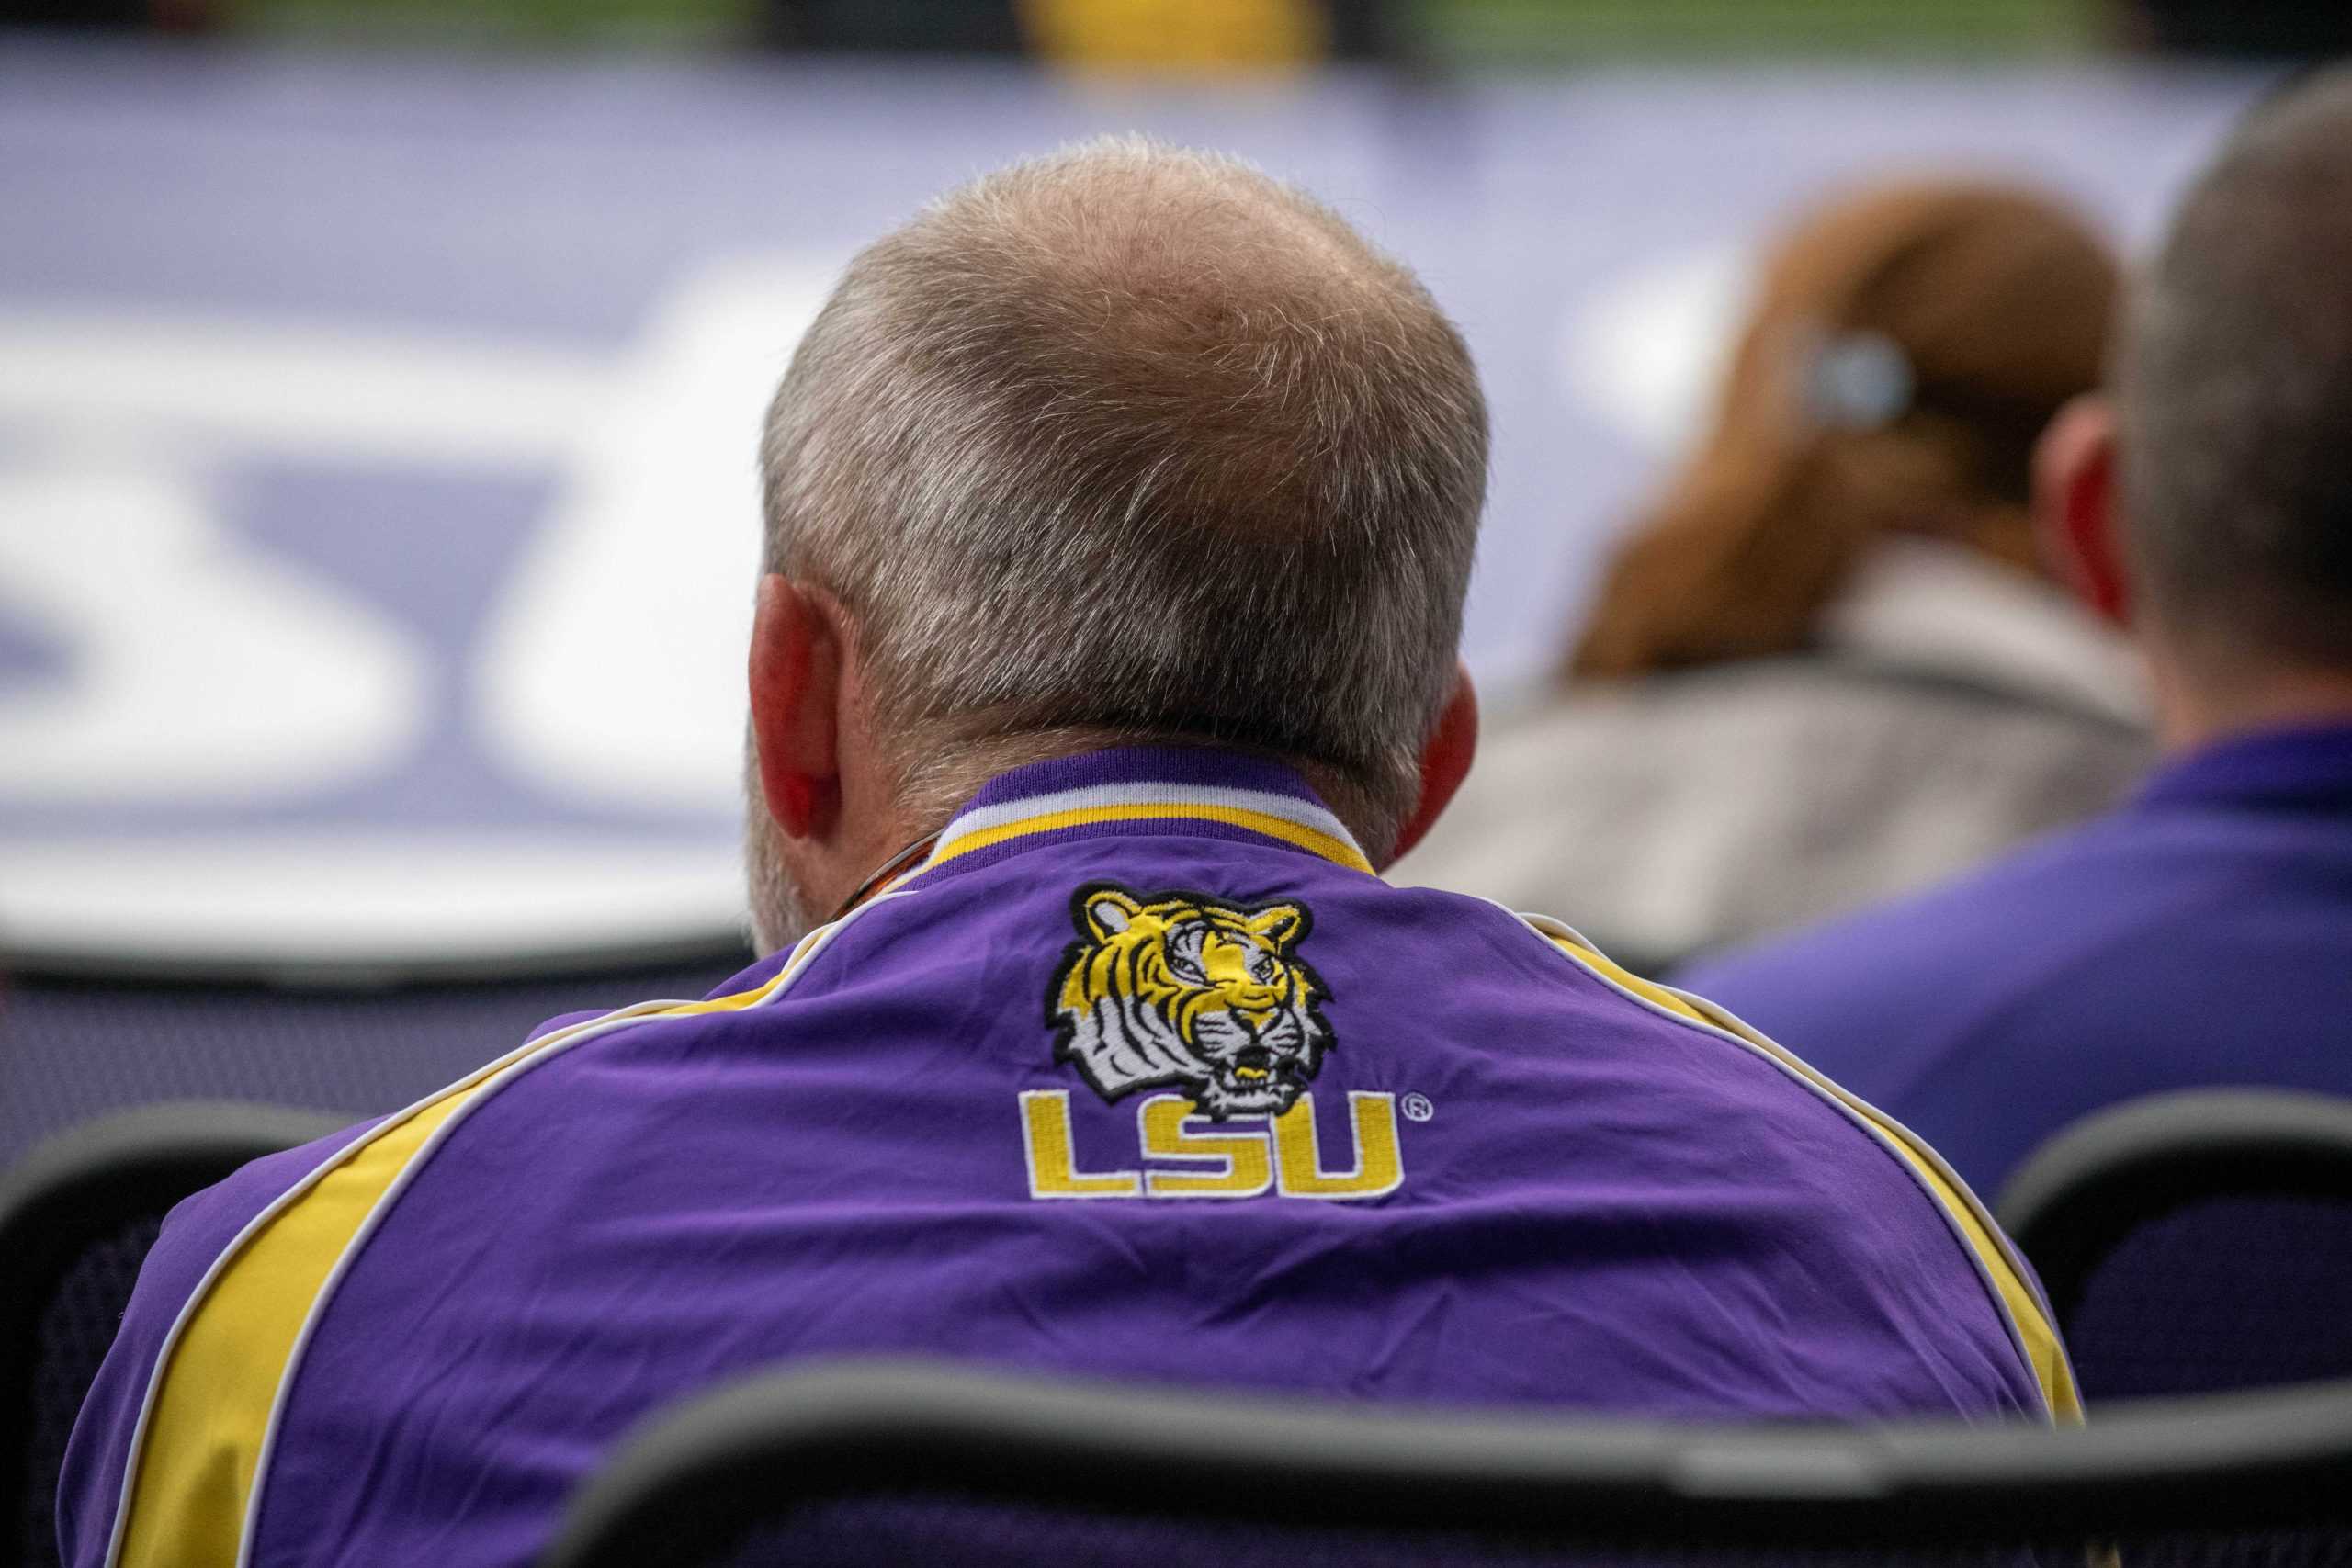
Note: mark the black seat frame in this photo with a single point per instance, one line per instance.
(89, 1183)
(690, 1485)
(2079, 1196)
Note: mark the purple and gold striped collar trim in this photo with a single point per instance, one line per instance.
(1146, 789)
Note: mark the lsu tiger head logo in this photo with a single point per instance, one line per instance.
(1178, 989)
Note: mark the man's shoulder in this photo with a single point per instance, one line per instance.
(1885, 957)
(203, 1227)
(199, 1233)
(1870, 1142)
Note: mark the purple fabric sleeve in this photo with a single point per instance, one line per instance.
(195, 1234)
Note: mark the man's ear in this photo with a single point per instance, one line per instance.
(2075, 508)
(796, 707)
(1445, 759)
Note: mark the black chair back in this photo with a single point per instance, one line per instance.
(873, 1463)
(2196, 1242)
(77, 1216)
(80, 1043)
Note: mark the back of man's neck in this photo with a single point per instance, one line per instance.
(934, 786)
(2193, 717)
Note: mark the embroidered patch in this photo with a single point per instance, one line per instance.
(1178, 989)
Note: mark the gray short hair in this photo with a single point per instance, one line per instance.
(2236, 392)
(1139, 441)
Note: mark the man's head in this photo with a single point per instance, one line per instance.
(1121, 443)
(2211, 507)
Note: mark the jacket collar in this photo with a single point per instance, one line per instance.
(2305, 768)
(1926, 607)
(1137, 791)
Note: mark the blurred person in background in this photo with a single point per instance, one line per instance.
(2203, 934)
(1119, 514)
(1829, 665)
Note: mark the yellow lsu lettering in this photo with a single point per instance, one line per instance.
(1372, 1123)
(1242, 1160)
(1053, 1163)
(1244, 1167)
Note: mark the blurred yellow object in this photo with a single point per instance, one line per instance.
(1177, 35)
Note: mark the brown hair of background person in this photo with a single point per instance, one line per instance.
(2200, 936)
(1995, 305)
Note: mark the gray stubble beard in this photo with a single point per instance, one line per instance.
(780, 912)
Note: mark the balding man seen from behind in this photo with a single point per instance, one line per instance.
(1119, 511)
(2202, 935)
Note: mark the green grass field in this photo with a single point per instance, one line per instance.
(1465, 34)
(1562, 32)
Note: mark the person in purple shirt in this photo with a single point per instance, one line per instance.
(1119, 513)
(2201, 935)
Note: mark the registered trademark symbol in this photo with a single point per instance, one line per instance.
(1417, 1108)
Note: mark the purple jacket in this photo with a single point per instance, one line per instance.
(2200, 936)
(1142, 1075)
